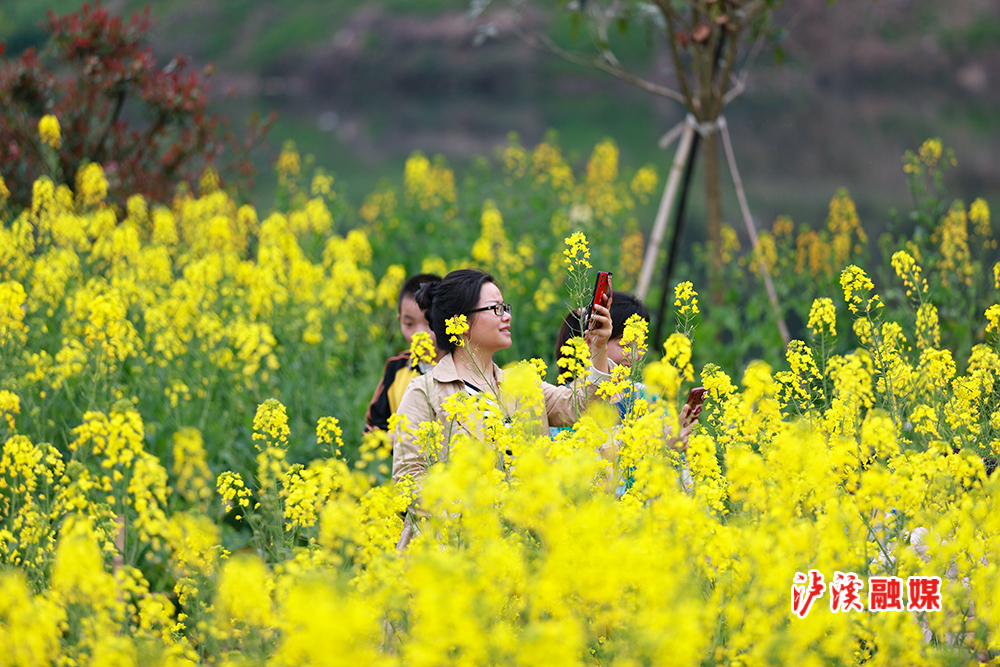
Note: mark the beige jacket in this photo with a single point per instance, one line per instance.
(426, 393)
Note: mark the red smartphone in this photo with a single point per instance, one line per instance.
(601, 288)
(696, 399)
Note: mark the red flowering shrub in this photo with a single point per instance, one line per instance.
(147, 125)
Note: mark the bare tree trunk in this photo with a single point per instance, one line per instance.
(713, 212)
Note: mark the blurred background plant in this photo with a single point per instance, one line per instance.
(148, 125)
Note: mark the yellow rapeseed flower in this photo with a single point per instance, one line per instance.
(289, 166)
(634, 335)
(574, 360)
(909, 272)
(979, 214)
(455, 327)
(686, 299)
(823, 317)
(430, 185)
(421, 349)
(844, 226)
(190, 467)
(388, 288)
(930, 152)
(232, 489)
(577, 253)
(603, 164)
(731, 244)
(48, 130)
(644, 183)
(10, 405)
(993, 315)
(928, 327)
(322, 184)
(856, 286)
(243, 595)
(677, 352)
(12, 312)
(328, 431)
(270, 424)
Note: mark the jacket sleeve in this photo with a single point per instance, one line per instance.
(415, 408)
(378, 413)
(565, 403)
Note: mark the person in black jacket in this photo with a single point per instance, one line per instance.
(399, 370)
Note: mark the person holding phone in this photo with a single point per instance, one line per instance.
(624, 306)
(470, 368)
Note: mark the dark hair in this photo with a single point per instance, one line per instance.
(456, 294)
(412, 284)
(623, 306)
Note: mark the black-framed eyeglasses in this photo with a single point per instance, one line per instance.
(498, 309)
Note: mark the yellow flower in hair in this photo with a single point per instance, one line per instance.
(48, 130)
(455, 327)
(421, 349)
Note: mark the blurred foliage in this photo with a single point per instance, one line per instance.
(149, 126)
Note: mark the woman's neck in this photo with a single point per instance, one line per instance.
(475, 367)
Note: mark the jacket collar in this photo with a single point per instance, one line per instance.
(446, 371)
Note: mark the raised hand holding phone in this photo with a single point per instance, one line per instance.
(688, 418)
(695, 402)
(601, 296)
(596, 322)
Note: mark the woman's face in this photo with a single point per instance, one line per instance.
(623, 356)
(616, 353)
(488, 332)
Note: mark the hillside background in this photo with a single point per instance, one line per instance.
(360, 85)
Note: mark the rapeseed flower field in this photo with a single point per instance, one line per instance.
(182, 481)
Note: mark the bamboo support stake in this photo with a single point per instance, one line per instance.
(771, 293)
(666, 203)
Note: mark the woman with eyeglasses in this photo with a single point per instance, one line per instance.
(469, 366)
